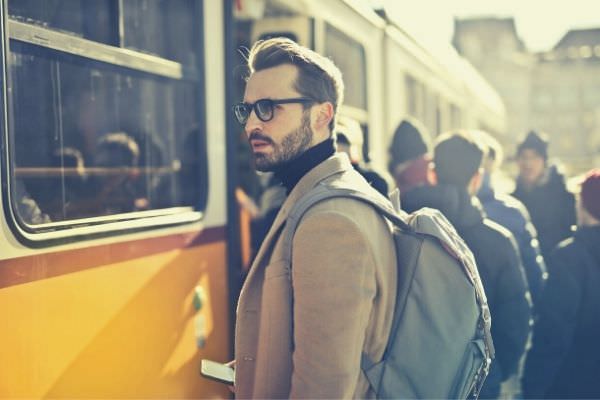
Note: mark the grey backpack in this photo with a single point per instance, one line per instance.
(440, 344)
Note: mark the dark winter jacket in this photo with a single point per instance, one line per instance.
(500, 270)
(551, 207)
(564, 361)
(374, 179)
(512, 214)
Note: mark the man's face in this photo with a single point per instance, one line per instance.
(531, 166)
(289, 133)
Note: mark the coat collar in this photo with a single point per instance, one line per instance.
(335, 164)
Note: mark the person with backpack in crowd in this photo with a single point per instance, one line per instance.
(564, 360)
(410, 161)
(542, 189)
(457, 169)
(304, 323)
(511, 214)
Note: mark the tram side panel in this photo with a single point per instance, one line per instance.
(114, 303)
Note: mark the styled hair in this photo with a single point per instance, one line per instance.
(457, 157)
(318, 77)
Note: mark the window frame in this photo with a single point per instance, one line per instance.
(61, 232)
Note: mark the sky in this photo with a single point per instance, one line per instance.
(540, 23)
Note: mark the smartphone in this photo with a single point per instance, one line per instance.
(217, 371)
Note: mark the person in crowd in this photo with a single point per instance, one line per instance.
(349, 139)
(58, 192)
(302, 324)
(270, 201)
(410, 162)
(541, 188)
(27, 208)
(116, 157)
(457, 161)
(511, 214)
(564, 361)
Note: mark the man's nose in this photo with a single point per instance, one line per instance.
(253, 123)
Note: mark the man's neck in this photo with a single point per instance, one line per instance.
(292, 171)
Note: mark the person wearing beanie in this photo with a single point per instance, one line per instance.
(564, 360)
(590, 198)
(511, 214)
(542, 189)
(410, 162)
(457, 169)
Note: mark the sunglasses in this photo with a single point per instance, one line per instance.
(264, 108)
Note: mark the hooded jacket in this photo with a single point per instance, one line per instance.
(500, 270)
(564, 361)
(551, 207)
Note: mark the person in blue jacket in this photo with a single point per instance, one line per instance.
(511, 214)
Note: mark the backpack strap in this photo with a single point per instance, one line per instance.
(324, 192)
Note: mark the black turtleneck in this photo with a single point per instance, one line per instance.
(292, 171)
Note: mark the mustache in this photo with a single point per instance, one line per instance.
(258, 136)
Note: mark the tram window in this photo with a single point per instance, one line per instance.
(90, 138)
(455, 118)
(349, 56)
(415, 98)
(150, 26)
(94, 20)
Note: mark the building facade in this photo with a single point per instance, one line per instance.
(556, 91)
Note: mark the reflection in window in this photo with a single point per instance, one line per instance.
(162, 27)
(94, 20)
(92, 139)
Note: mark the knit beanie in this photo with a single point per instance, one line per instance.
(410, 141)
(535, 141)
(590, 193)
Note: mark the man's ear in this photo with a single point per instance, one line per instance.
(323, 115)
(475, 182)
(432, 175)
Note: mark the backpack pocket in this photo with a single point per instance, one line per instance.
(471, 363)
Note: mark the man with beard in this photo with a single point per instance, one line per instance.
(303, 324)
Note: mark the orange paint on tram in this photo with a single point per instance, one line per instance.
(117, 321)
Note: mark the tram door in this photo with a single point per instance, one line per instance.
(114, 230)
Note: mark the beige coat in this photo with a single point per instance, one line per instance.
(301, 336)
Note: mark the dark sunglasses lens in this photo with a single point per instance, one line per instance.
(264, 109)
(241, 112)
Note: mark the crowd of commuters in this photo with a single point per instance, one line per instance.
(304, 323)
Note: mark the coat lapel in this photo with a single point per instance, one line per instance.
(333, 165)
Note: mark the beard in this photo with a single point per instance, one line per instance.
(293, 144)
